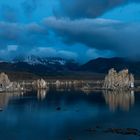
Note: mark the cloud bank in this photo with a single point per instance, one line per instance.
(74, 23)
(101, 34)
(88, 8)
(21, 34)
(52, 52)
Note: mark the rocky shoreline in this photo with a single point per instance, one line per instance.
(121, 81)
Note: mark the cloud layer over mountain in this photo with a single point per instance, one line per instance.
(121, 38)
(70, 28)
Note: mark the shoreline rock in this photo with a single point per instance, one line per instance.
(121, 80)
(40, 84)
(7, 85)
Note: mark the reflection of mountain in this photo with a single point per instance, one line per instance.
(119, 99)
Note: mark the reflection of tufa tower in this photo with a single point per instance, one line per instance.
(41, 94)
(119, 99)
(40, 84)
(4, 81)
(120, 80)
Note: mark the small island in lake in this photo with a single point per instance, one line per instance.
(121, 80)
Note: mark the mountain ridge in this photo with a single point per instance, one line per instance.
(58, 66)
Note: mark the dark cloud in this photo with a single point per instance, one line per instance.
(87, 8)
(29, 6)
(8, 13)
(53, 52)
(100, 34)
(28, 35)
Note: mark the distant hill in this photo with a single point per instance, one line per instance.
(36, 60)
(102, 65)
(46, 66)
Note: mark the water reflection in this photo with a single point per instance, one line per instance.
(119, 99)
(41, 94)
(115, 99)
(68, 114)
(5, 97)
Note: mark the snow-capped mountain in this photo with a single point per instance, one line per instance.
(35, 60)
(44, 66)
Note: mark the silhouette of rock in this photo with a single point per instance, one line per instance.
(123, 131)
(58, 108)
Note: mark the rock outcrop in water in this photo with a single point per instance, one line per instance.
(4, 81)
(40, 84)
(120, 80)
(7, 85)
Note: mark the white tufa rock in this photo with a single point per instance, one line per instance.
(41, 84)
(120, 80)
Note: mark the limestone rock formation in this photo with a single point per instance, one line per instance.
(7, 85)
(120, 80)
(15, 86)
(40, 84)
(4, 81)
(58, 83)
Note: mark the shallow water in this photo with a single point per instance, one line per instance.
(68, 114)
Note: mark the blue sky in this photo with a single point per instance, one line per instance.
(76, 29)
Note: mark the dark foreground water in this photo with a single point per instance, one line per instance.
(69, 115)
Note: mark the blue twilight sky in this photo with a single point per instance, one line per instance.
(78, 29)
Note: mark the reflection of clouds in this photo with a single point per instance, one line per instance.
(119, 99)
(41, 94)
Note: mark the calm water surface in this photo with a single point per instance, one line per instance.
(67, 114)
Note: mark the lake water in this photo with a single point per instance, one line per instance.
(68, 115)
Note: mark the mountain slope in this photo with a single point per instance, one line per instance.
(59, 67)
(38, 65)
(34, 60)
(102, 65)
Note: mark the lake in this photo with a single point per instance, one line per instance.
(69, 114)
